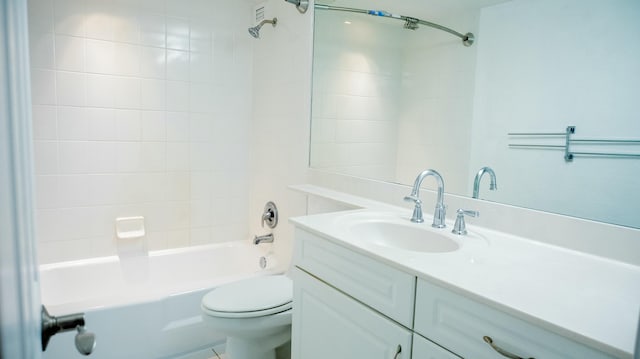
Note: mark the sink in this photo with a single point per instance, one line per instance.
(408, 237)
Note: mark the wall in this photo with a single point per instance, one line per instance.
(532, 70)
(280, 120)
(140, 108)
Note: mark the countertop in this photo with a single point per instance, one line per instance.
(592, 300)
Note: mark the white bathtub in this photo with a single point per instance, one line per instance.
(147, 307)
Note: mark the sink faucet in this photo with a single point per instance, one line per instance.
(440, 211)
(476, 182)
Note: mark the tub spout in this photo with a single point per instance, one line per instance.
(267, 238)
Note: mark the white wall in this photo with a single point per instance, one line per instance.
(533, 71)
(280, 120)
(140, 108)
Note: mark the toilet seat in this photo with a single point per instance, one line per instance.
(255, 297)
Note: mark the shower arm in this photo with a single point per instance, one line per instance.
(467, 39)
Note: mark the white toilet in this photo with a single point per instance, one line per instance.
(255, 314)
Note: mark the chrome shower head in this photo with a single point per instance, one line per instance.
(255, 31)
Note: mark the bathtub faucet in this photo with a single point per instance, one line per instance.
(267, 238)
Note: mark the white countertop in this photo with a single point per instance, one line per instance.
(592, 300)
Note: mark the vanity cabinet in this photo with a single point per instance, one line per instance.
(349, 305)
(329, 324)
(469, 329)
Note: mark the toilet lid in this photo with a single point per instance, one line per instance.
(250, 298)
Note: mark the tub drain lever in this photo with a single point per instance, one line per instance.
(51, 325)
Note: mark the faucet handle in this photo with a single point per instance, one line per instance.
(412, 198)
(459, 227)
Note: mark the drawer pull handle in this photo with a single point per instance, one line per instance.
(398, 351)
(502, 352)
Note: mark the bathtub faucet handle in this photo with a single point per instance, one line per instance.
(270, 215)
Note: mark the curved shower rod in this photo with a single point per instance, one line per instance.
(410, 23)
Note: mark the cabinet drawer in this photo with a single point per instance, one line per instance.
(460, 324)
(380, 286)
(426, 349)
(329, 324)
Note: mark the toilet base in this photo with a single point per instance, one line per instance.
(256, 348)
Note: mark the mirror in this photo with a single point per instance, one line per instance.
(390, 102)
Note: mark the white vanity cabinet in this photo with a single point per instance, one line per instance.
(467, 328)
(329, 324)
(331, 283)
(350, 305)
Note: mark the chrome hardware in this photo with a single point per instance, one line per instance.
(267, 238)
(255, 31)
(270, 215)
(460, 227)
(85, 341)
(493, 185)
(569, 154)
(301, 5)
(440, 210)
(263, 262)
(398, 351)
(501, 351)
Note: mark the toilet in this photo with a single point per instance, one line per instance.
(254, 314)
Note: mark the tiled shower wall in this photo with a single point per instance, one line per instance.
(140, 108)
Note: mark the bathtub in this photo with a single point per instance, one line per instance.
(147, 307)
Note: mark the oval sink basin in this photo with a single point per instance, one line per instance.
(405, 237)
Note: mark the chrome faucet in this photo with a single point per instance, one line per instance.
(440, 211)
(476, 182)
(267, 238)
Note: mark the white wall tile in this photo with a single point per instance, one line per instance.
(152, 94)
(40, 16)
(126, 26)
(128, 92)
(177, 126)
(153, 156)
(101, 91)
(46, 157)
(74, 158)
(177, 65)
(73, 123)
(102, 157)
(201, 67)
(43, 87)
(99, 19)
(44, 123)
(101, 56)
(128, 156)
(127, 60)
(177, 156)
(47, 192)
(152, 62)
(153, 126)
(74, 190)
(177, 33)
(102, 124)
(177, 96)
(178, 186)
(41, 50)
(69, 17)
(152, 30)
(112, 119)
(128, 125)
(71, 88)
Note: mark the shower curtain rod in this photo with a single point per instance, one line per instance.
(410, 23)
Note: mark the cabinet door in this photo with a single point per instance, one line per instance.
(330, 324)
(425, 349)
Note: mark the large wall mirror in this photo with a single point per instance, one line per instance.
(389, 102)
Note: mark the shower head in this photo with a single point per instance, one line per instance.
(255, 31)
